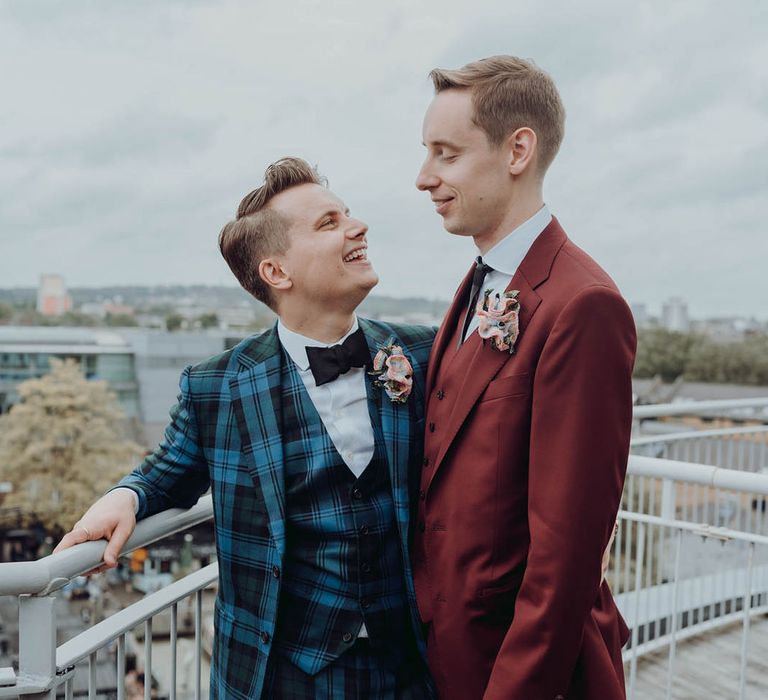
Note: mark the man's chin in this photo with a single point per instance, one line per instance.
(456, 228)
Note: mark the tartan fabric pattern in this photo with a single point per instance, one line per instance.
(360, 673)
(343, 560)
(225, 432)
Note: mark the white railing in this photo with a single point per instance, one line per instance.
(45, 668)
(738, 407)
(691, 555)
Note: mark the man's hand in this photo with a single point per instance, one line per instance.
(111, 518)
(607, 552)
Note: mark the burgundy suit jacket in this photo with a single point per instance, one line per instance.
(525, 458)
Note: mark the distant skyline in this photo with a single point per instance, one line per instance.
(130, 131)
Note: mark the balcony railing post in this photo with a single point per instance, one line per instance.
(37, 643)
(668, 506)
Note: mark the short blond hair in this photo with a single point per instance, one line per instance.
(258, 231)
(508, 93)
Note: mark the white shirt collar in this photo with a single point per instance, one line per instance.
(509, 252)
(296, 344)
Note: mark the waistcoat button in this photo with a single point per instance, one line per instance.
(265, 637)
(276, 571)
(440, 395)
(347, 637)
(431, 427)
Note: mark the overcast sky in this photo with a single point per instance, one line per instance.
(130, 130)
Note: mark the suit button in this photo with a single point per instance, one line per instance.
(364, 530)
(431, 427)
(347, 637)
(423, 495)
(265, 637)
(276, 571)
(365, 603)
(365, 567)
(422, 526)
(357, 493)
(440, 395)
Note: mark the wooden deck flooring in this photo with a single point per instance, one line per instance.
(707, 667)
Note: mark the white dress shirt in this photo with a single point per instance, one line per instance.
(505, 257)
(342, 403)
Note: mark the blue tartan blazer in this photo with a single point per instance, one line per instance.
(225, 433)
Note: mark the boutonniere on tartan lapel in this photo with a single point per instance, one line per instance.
(499, 320)
(392, 372)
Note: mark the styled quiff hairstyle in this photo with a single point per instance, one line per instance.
(509, 93)
(259, 231)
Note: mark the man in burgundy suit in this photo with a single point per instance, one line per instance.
(529, 411)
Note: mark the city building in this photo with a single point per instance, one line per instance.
(52, 296)
(640, 314)
(142, 366)
(26, 352)
(674, 315)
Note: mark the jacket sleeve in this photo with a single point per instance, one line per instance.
(175, 475)
(580, 429)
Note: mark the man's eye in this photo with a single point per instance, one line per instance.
(449, 159)
(327, 222)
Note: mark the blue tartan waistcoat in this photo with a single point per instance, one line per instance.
(225, 434)
(343, 560)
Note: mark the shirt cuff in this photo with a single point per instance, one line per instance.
(135, 497)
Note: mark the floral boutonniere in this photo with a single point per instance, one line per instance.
(499, 320)
(392, 372)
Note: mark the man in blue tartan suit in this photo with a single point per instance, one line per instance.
(312, 462)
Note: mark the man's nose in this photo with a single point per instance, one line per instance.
(356, 229)
(425, 180)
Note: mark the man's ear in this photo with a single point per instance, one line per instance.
(522, 147)
(274, 275)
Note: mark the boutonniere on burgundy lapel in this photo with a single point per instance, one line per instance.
(392, 372)
(499, 320)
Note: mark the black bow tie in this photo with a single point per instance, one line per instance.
(328, 363)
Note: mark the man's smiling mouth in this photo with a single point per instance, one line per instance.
(441, 204)
(357, 255)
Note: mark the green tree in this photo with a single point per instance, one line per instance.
(662, 352)
(120, 320)
(6, 313)
(173, 322)
(62, 446)
(210, 320)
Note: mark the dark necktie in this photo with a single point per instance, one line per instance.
(481, 270)
(328, 363)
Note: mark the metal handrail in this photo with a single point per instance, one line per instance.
(704, 474)
(695, 434)
(102, 633)
(50, 573)
(694, 407)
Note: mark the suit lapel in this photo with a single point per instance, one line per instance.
(445, 332)
(256, 401)
(486, 361)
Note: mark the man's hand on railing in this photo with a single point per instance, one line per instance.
(110, 518)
